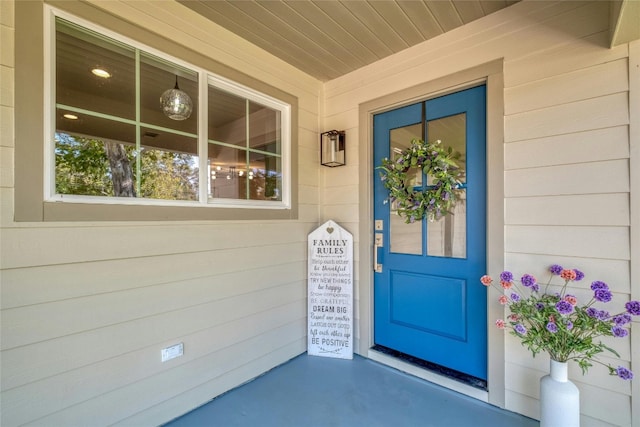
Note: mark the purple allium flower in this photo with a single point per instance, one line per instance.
(445, 196)
(535, 288)
(624, 373)
(579, 274)
(519, 328)
(528, 280)
(539, 306)
(569, 325)
(603, 315)
(556, 269)
(622, 319)
(564, 307)
(619, 332)
(593, 312)
(552, 327)
(599, 285)
(515, 297)
(633, 307)
(602, 295)
(507, 276)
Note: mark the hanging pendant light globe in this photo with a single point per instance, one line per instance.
(176, 104)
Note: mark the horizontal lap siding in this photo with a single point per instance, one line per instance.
(235, 340)
(583, 209)
(566, 156)
(567, 201)
(67, 245)
(608, 143)
(28, 325)
(24, 286)
(87, 307)
(593, 113)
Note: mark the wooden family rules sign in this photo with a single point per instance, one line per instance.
(330, 292)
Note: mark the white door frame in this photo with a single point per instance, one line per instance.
(492, 74)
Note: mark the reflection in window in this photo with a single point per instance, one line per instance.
(267, 177)
(112, 139)
(244, 148)
(93, 72)
(156, 76)
(84, 166)
(227, 118)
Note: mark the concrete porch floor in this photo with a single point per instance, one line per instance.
(315, 391)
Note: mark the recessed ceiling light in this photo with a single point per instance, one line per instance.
(70, 116)
(101, 72)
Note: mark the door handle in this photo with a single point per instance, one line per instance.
(377, 244)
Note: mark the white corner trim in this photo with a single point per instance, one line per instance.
(634, 213)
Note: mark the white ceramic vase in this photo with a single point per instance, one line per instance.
(559, 398)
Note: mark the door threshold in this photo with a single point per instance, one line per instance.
(436, 377)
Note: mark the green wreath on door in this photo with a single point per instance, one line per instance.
(432, 201)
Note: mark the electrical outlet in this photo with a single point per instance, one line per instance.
(172, 352)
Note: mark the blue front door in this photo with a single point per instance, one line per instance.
(428, 301)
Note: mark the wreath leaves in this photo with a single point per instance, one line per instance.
(432, 201)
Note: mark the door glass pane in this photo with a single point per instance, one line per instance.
(451, 131)
(447, 237)
(405, 238)
(168, 165)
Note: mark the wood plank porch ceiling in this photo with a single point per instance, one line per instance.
(330, 38)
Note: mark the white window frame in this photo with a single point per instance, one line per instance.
(205, 79)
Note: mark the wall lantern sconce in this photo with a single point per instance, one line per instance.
(332, 149)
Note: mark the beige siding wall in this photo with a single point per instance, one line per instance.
(566, 155)
(87, 307)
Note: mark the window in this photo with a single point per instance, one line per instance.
(112, 143)
(244, 145)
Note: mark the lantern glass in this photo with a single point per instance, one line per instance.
(176, 104)
(332, 148)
